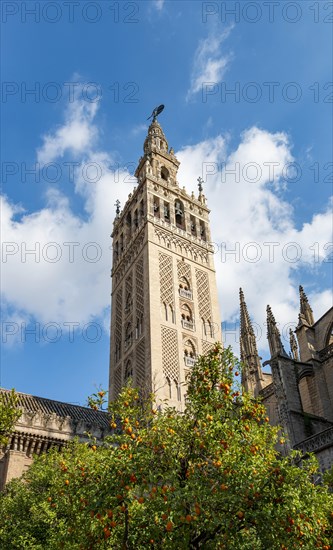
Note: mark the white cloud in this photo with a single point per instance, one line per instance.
(209, 64)
(159, 4)
(247, 208)
(67, 279)
(76, 135)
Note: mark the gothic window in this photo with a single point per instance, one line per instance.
(121, 243)
(164, 173)
(179, 213)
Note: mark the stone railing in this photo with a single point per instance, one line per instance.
(185, 293)
(190, 361)
(316, 442)
(189, 325)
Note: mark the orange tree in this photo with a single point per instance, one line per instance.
(208, 478)
(9, 414)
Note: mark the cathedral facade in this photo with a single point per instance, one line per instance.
(298, 392)
(165, 313)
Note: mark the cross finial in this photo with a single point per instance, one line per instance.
(117, 205)
(200, 182)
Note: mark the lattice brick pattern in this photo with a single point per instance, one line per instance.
(129, 286)
(117, 381)
(170, 353)
(166, 279)
(139, 287)
(206, 346)
(184, 270)
(119, 315)
(140, 364)
(203, 295)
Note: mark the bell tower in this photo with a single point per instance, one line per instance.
(165, 308)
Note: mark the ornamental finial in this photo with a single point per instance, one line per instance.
(117, 205)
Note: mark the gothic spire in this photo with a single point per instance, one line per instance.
(273, 335)
(306, 313)
(248, 344)
(293, 346)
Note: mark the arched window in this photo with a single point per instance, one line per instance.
(184, 288)
(165, 173)
(189, 353)
(179, 214)
(186, 316)
(172, 314)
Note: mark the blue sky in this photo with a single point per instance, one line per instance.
(264, 151)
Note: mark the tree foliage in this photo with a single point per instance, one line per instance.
(9, 414)
(208, 478)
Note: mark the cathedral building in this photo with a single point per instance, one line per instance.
(165, 313)
(298, 393)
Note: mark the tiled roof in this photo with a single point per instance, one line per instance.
(32, 403)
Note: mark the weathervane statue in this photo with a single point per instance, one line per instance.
(156, 112)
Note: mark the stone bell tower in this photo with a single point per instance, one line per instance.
(164, 298)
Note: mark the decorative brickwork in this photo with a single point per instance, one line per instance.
(117, 380)
(203, 295)
(170, 358)
(184, 270)
(140, 364)
(128, 292)
(206, 346)
(119, 315)
(139, 297)
(166, 279)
